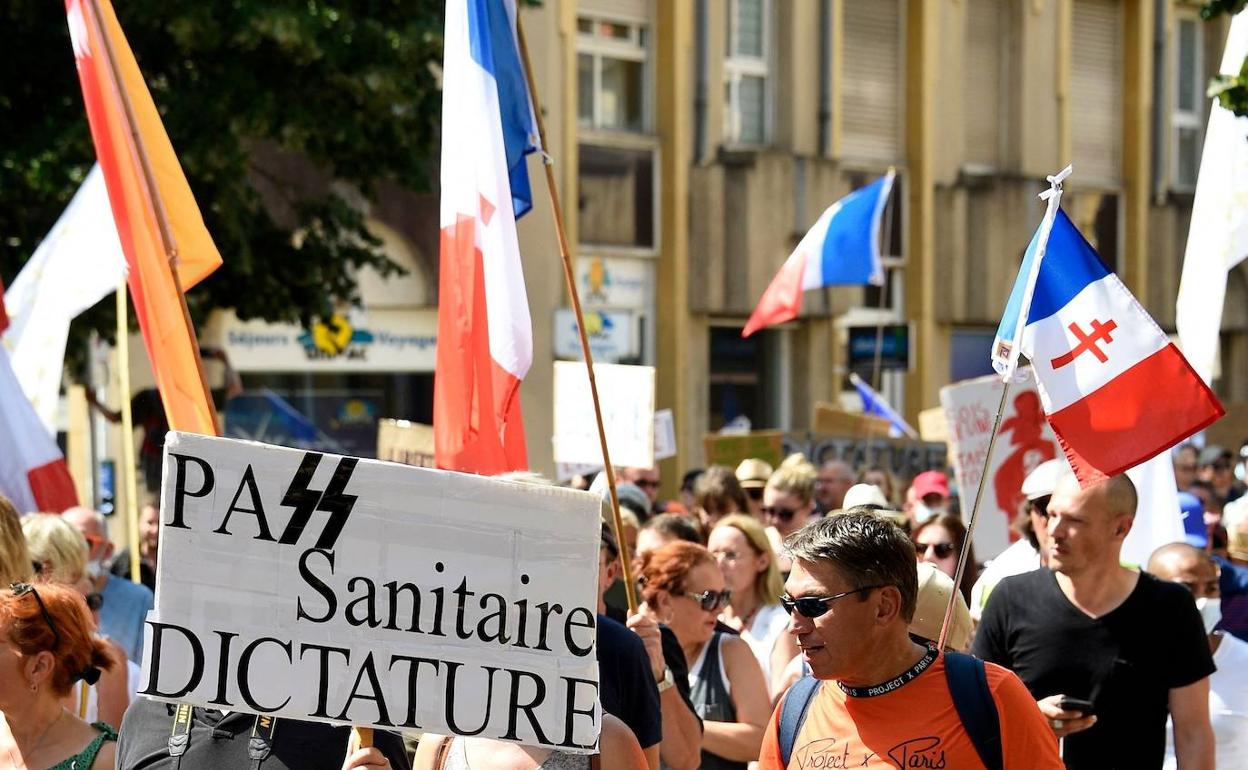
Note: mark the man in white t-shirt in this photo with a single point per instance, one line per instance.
(1025, 554)
(1228, 686)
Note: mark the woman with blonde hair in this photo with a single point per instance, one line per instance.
(60, 550)
(788, 502)
(15, 565)
(740, 547)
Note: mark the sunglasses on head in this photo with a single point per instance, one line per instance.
(710, 600)
(774, 512)
(21, 589)
(814, 606)
(943, 550)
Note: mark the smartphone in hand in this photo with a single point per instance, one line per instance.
(1084, 707)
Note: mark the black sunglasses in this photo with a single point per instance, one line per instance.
(814, 606)
(711, 600)
(21, 589)
(943, 550)
(95, 601)
(754, 493)
(783, 514)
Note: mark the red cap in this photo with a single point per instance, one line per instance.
(930, 483)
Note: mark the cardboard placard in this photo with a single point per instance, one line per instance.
(349, 591)
(401, 441)
(730, 450)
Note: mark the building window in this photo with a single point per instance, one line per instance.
(746, 93)
(745, 377)
(617, 195)
(1096, 103)
(1189, 103)
(611, 75)
(872, 62)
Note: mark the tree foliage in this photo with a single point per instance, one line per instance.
(1231, 91)
(348, 84)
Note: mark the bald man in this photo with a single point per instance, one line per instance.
(125, 604)
(1196, 571)
(1131, 647)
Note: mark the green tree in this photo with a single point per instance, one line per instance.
(1231, 91)
(351, 85)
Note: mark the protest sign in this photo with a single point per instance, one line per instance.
(1025, 441)
(731, 449)
(402, 441)
(664, 434)
(626, 394)
(904, 458)
(348, 591)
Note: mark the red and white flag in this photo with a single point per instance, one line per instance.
(485, 337)
(32, 470)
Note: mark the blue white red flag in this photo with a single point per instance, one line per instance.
(33, 474)
(485, 337)
(875, 404)
(842, 249)
(1099, 359)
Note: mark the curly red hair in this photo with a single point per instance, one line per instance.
(667, 568)
(29, 631)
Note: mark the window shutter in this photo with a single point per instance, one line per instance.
(623, 10)
(871, 88)
(1096, 90)
(981, 99)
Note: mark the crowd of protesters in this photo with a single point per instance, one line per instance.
(789, 616)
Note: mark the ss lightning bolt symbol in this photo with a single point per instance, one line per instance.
(305, 501)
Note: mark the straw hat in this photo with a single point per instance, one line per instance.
(929, 612)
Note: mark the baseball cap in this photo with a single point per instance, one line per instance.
(930, 483)
(865, 494)
(1194, 532)
(1044, 478)
(753, 473)
(929, 611)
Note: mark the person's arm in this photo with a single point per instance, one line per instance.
(106, 757)
(619, 747)
(1193, 736)
(740, 740)
(782, 654)
(426, 756)
(681, 747)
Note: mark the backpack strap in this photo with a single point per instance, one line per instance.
(793, 714)
(968, 684)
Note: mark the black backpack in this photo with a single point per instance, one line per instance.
(968, 684)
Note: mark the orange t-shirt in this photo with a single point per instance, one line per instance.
(913, 726)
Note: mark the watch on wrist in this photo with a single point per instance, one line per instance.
(667, 682)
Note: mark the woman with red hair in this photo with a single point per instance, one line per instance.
(46, 645)
(683, 588)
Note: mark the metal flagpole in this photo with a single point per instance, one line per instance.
(1053, 196)
(128, 469)
(570, 280)
(885, 231)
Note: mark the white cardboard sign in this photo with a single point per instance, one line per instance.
(626, 394)
(1025, 440)
(350, 591)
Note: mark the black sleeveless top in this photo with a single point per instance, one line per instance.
(713, 702)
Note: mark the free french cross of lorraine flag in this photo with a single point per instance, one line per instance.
(33, 474)
(841, 249)
(1115, 389)
(111, 80)
(485, 337)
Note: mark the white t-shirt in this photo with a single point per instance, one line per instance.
(1015, 560)
(768, 624)
(1228, 706)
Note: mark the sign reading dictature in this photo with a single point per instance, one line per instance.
(349, 591)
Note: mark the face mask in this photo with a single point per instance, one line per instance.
(922, 513)
(95, 569)
(1210, 612)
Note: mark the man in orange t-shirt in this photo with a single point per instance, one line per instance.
(884, 700)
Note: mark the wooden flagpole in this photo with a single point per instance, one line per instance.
(158, 204)
(570, 280)
(128, 470)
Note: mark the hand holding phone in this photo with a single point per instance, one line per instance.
(1084, 707)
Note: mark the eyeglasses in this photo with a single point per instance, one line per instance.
(943, 550)
(814, 606)
(95, 601)
(725, 555)
(94, 542)
(21, 589)
(754, 493)
(647, 483)
(782, 514)
(710, 601)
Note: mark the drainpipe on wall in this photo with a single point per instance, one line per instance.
(825, 77)
(699, 87)
(1160, 103)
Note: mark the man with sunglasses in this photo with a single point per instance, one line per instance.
(884, 700)
(124, 604)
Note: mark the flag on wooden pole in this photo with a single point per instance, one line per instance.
(157, 219)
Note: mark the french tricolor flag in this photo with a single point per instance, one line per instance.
(1114, 388)
(33, 474)
(485, 338)
(843, 248)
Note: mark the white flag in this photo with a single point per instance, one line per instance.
(1157, 517)
(1218, 237)
(77, 264)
